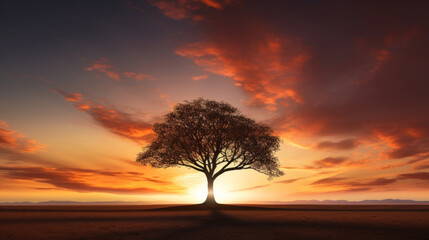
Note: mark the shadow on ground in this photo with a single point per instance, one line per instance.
(218, 222)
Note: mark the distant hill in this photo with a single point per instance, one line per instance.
(306, 202)
(346, 202)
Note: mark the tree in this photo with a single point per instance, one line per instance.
(213, 138)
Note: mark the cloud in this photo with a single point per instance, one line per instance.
(348, 184)
(340, 145)
(251, 188)
(330, 180)
(71, 97)
(198, 78)
(15, 141)
(73, 179)
(182, 9)
(422, 166)
(287, 181)
(116, 121)
(103, 66)
(267, 75)
(416, 175)
(137, 76)
(360, 80)
(376, 182)
(330, 162)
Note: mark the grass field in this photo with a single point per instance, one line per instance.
(233, 222)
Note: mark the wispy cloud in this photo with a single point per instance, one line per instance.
(75, 179)
(198, 78)
(182, 9)
(72, 97)
(340, 145)
(116, 121)
(14, 140)
(287, 181)
(103, 66)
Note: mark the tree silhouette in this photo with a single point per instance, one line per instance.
(213, 138)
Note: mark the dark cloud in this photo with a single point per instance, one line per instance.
(366, 185)
(326, 68)
(422, 166)
(417, 176)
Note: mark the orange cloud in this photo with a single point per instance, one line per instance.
(137, 76)
(361, 84)
(268, 72)
(13, 140)
(198, 78)
(330, 162)
(75, 179)
(367, 185)
(118, 122)
(71, 97)
(181, 9)
(110, 71)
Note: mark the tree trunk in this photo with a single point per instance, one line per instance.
(210, 200)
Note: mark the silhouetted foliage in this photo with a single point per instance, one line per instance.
(213, 138)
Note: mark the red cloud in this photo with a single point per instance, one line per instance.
(118, 122)
(268, 72)
(182, 9)
(325, 78)
(13, 140)
(71, 97)
(110, 71)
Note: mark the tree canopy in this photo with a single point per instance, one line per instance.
(212, 137)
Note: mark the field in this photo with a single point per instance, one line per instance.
(230, 222)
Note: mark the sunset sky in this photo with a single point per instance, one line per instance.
(344, 83)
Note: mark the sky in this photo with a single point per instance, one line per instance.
(343, 83)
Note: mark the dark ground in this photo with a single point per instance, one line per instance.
(229, 222)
